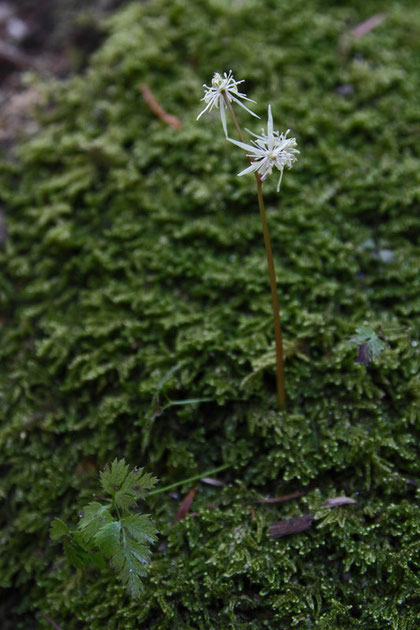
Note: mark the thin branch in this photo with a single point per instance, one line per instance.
(207, 473)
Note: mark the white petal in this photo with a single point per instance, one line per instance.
(207, 107)
(223, 116)
(246, 98)
(244, 106)
(249, 169)
(270, 122)
(242, 145)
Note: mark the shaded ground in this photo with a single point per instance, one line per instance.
(49, 38)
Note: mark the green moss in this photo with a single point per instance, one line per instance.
(135, 250)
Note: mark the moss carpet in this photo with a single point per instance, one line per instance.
(134, 277)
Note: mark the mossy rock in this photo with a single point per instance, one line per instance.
(135, 255)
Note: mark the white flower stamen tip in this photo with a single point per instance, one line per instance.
(223, 87)
(270, 150)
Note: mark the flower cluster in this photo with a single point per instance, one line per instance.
(268, 150)
(214, 96)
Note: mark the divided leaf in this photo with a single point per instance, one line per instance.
(79, 556)
(140, 528)
(108, 538)
(74, 548)
(111, 531)
(126, 486)
(370, 345)
(59, 529)
(123, 543)
(93, 518)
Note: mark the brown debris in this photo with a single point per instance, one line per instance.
(368, 25)
(211, 481)
(50, 621)
(285, 497)
(185, 506)
(157, 109)
(291, 526)
(337, 501)
(360, 30)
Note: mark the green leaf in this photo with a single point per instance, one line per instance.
(125, 544)
(110, 531)
(59, 529)
(76, 553)
(369, 344)
(131, 564)
(74, 544)
(93, 518)
(113, 477)
(139, 528)
(108, 538)
(126, 486)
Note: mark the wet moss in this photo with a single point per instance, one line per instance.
(135, 250)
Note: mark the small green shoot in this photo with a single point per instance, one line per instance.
(113, 531)
(369, 344)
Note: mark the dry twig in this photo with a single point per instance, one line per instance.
(157, 109)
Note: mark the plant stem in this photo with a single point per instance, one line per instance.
(281, 394)
(213, 471)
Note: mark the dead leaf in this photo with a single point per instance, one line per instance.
(337, 501)
(286, 497)
(291, 526)
(185, 506)
(213, 482)
(368, 25)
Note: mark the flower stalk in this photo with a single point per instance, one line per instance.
(281, 391)
(267, 151)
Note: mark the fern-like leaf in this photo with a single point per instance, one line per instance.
(59, 529)
(112, 531)
(123, 543)
(126, 486)
(93, 518)
(140, 528)
(74, 546)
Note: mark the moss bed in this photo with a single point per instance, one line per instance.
(135, 256)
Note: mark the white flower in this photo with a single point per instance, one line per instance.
(214, 96)
(269, 150)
